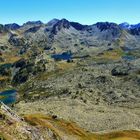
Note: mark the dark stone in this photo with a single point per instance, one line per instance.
(19, 64)
(120, 71)
(54, 116)
(69, 60)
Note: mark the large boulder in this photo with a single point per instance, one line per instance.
(120, 71)
(20, 63)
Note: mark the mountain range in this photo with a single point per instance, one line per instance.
(14, 26)
(58, 34)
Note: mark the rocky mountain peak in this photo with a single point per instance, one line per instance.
(106, 25)
(52, 22)
(33, 23)
(125, 25)
(78, 26)
(12, 26)
(61, 24)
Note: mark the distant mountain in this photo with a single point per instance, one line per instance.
(78, 26)
(61, 24)
(12, 26)
(136, 26)
(67, 35)
(52, 22)
(125, 25)
(132, 29)
(106, 26)
(33, 23)
(135, 31)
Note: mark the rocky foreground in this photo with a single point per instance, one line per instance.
(42, 127)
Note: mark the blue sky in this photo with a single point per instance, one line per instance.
(83, 11)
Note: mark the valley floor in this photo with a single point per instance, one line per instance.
(94, 118)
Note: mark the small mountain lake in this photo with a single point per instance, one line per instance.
(129, 57)
(63, 56)
(8, 96)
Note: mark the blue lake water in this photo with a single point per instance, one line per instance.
(129, 57)
(8, 96)
(63, 56)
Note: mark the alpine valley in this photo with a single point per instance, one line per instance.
(62, 80)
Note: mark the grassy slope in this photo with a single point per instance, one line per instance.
(62, 128)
